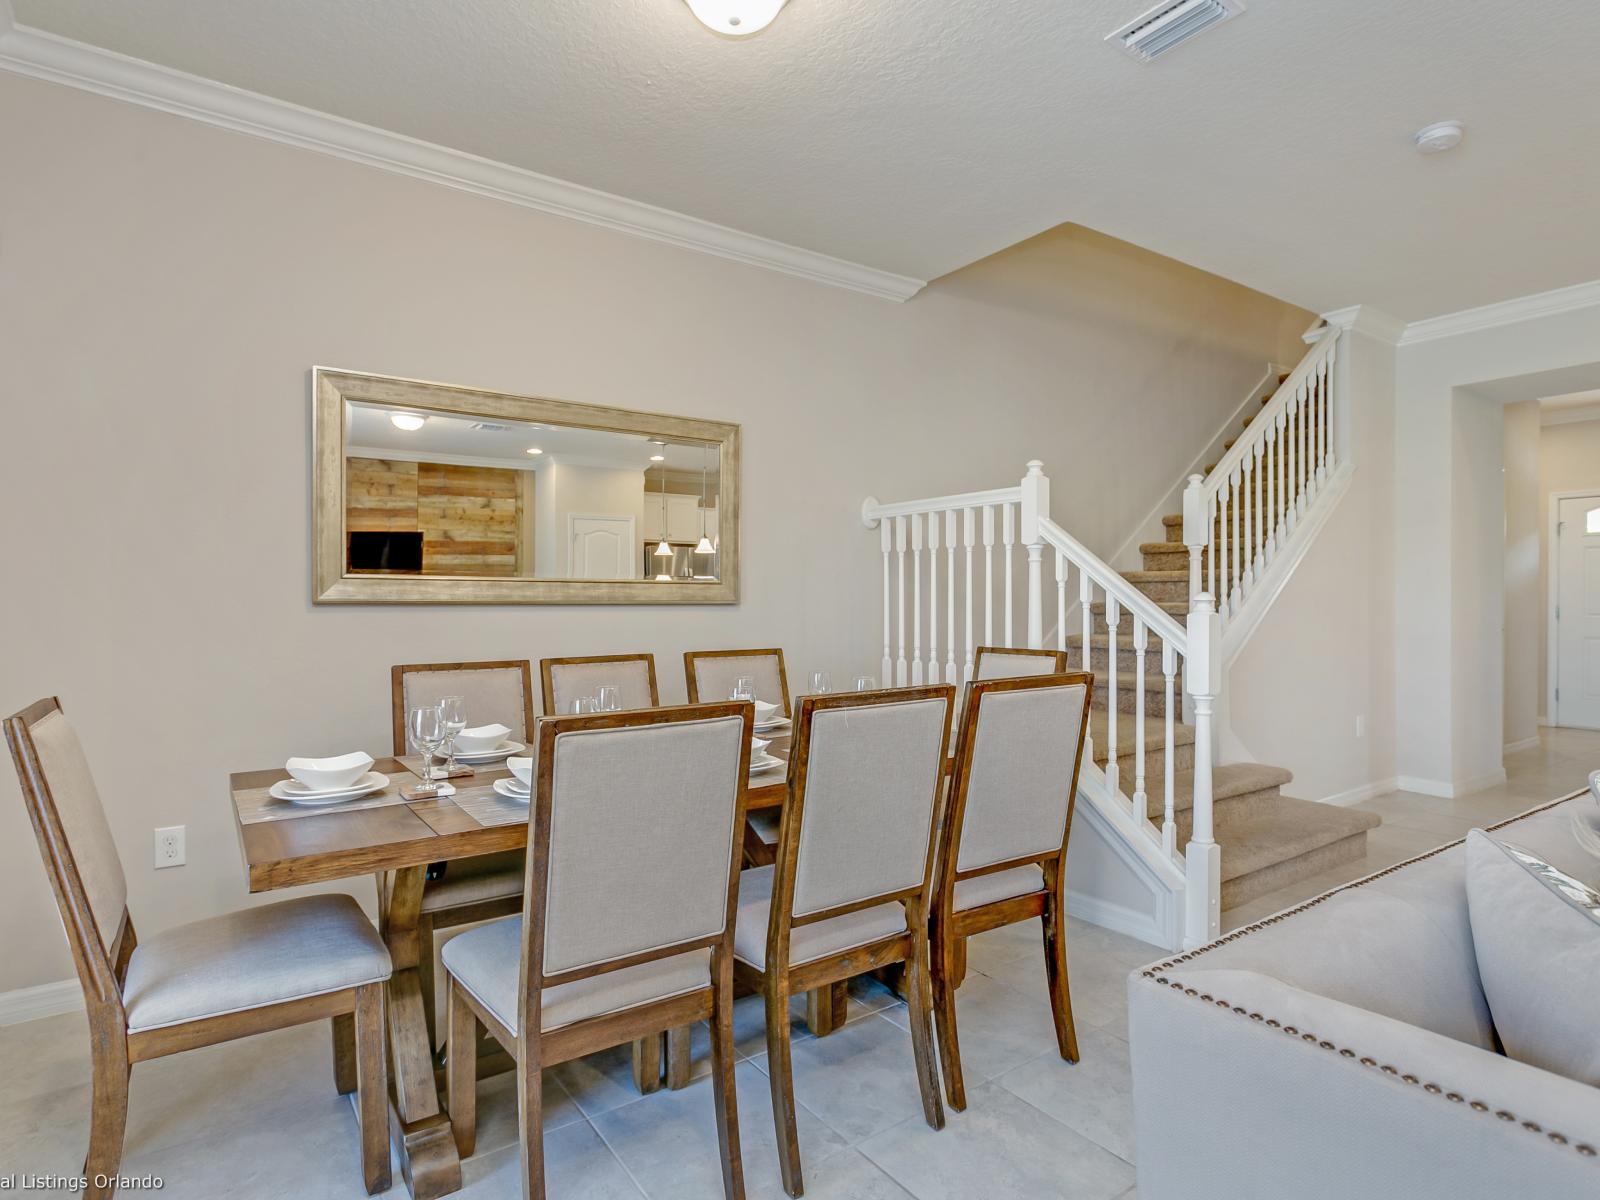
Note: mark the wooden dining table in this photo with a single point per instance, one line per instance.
(384, 835)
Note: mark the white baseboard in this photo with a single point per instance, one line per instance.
(1448, 790)
(1544, 720)
(1360, 795)
(44, 1000)
(1524, 744)
(1117, 917)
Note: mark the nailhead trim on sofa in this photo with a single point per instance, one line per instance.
(1156, 973)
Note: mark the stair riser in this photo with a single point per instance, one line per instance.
(1155, 702)
(1127, 663)
(1324, 858)
(1165, 590)
(1223, 812)
(1155, 760)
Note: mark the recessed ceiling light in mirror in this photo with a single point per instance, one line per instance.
(736, 18)
(410, 422)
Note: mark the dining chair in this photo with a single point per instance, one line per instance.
(215, 980)
(1006, 662)
(628, 918)
(467, 890)
(1004, 844)
(710, 675)
(565, 680)
(849, 890)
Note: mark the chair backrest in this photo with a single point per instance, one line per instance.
(710, 674)
(635, 838)
(1005, 662)
(75, 841)
(564, 680)
(1016, 773)
(864, 775)
(496, 693)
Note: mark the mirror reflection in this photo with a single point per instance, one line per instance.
(437, 494)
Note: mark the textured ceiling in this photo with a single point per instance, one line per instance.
(916, 136)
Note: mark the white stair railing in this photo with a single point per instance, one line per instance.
(1101, 600)
(1240, 517)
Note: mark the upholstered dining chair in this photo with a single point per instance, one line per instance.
(1006, 662)
(472, 889)
(1004, 844)
(710, 675)
(627, 926)
(850, 888)
(563, 681)
(308, 959)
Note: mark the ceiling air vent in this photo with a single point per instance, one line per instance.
(1168, 26)
(489, 426)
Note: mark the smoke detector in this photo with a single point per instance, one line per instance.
(1167, 26)
(1439, 137)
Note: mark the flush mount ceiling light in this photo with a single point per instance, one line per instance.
(1167, 26)
(1439, 137)
(410, 422)
(735, 18)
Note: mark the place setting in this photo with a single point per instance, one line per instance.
(316, 784)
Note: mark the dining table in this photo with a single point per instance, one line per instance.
(384, 835)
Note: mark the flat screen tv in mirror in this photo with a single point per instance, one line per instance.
(431, 493)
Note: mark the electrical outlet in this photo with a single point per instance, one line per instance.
(169, 847)
(1361, 726)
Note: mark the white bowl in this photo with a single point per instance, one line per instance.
(327, 774)
(481, 739)
(522, 768)
(758, 746)
(765, 712)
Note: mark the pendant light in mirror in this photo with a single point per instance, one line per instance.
(704, 546)
(662, 549)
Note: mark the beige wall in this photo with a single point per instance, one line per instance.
(166, 286)
(1569, 461)
(1524, 607)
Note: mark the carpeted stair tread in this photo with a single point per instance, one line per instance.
(1289, 829)
(1127, 732)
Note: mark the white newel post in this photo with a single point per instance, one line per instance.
(1035, 504)
(1196, 529)
(886, 536)
(1202, 856)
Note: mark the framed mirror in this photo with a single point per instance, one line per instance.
(426, 493)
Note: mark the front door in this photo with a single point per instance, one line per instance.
(1578, 612)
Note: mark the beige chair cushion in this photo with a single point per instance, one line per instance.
(492, 695)
(571, 680)
(806, 942)
(714, 677)
(83, 818)
(474, 880)
(486, 962)
(997, 885)
(252, 958)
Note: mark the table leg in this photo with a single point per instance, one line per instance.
(428, 1158)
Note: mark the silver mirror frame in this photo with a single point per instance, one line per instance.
(331, 388)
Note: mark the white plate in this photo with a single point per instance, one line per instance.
(778, 723)
(503, 750)
(508, 788)
(766, 763)
(298, 793)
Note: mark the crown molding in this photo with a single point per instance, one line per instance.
(1506, 312)
(1364, 319)
(45, 56)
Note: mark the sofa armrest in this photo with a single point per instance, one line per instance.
(1246, 1087)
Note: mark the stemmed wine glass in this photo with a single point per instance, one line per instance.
(820, 684)
(865, 683)
(453, 712)
(426, 727)
(744, 688)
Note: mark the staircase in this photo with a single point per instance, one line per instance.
(1199, 835)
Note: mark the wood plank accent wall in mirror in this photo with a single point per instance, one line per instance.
(428, 493)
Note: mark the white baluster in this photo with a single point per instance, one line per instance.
(1202, 857)
(1035, 507)
(1335, 416)
(916, 599)
(933, 598)
(1113, 617)
(1291, 415)
(969, 539)
(1304, 398)
(1086, 611)
(1008, 535)
(1169, 820)
(950, 675)
(1248, 542)
(1220, 581)
(1140, 643)
(886, 530)
(1258, 532)
(1272, 489)
(988, 574)
(1061, 607)
(1236, 577)
(1194, 537)
(900, 556)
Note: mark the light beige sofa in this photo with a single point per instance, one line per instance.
(1344, 1048)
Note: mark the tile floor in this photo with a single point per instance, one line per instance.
(259, 1118)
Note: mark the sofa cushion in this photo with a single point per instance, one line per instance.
(1537, 935)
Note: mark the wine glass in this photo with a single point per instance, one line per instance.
(426, 727)
(453, 712)
(866, 683)
(744, 688)
(583, 706)
(820, 684)
(609, 698)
